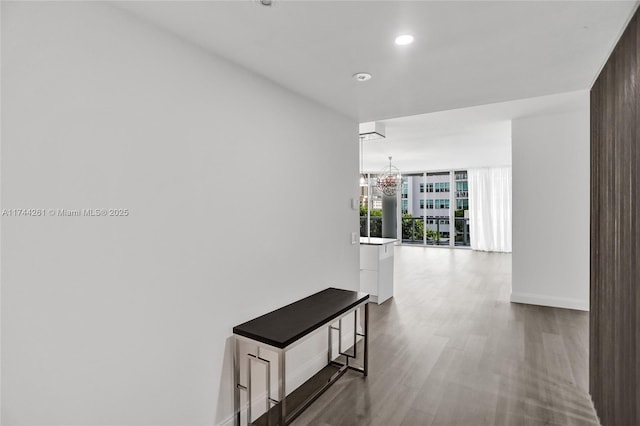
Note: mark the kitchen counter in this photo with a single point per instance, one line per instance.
(374, 241)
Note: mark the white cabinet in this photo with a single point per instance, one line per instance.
(376, 268)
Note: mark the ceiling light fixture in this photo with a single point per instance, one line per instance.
(372, 130)
(266, 2)
(403, 40)
(362, 76)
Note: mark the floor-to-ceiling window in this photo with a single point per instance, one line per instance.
(411, 196)
(437, 211)
(370, 208)
(432, 209)
(461, 215)
(364, 207)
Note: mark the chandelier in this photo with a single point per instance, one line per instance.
(389, 180)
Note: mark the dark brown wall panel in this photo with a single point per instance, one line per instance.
(615, 234)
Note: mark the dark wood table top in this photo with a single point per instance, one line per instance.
(284, 326)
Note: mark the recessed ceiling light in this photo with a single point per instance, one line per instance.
(266, 2)
(403, 40)
(362, 76)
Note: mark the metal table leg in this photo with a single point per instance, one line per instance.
(282, 394)
(366, 339)
(236, 381)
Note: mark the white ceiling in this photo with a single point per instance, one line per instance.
(464, 54)
(458, 139)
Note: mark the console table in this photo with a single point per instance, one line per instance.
(285, 328)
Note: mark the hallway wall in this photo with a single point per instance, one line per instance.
(551, 208)
(127, 320)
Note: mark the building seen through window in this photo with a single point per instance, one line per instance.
(429, 212)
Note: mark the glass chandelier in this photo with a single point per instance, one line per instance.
(389, 180)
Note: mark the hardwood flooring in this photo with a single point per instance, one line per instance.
(450, 349)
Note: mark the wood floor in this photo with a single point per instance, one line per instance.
(450, 349)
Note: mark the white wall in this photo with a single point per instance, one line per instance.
(126, 320)
(551, 209)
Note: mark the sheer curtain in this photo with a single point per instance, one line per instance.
(490, 208)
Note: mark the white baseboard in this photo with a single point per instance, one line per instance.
(555, 302)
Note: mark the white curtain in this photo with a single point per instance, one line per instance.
(490, 208)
